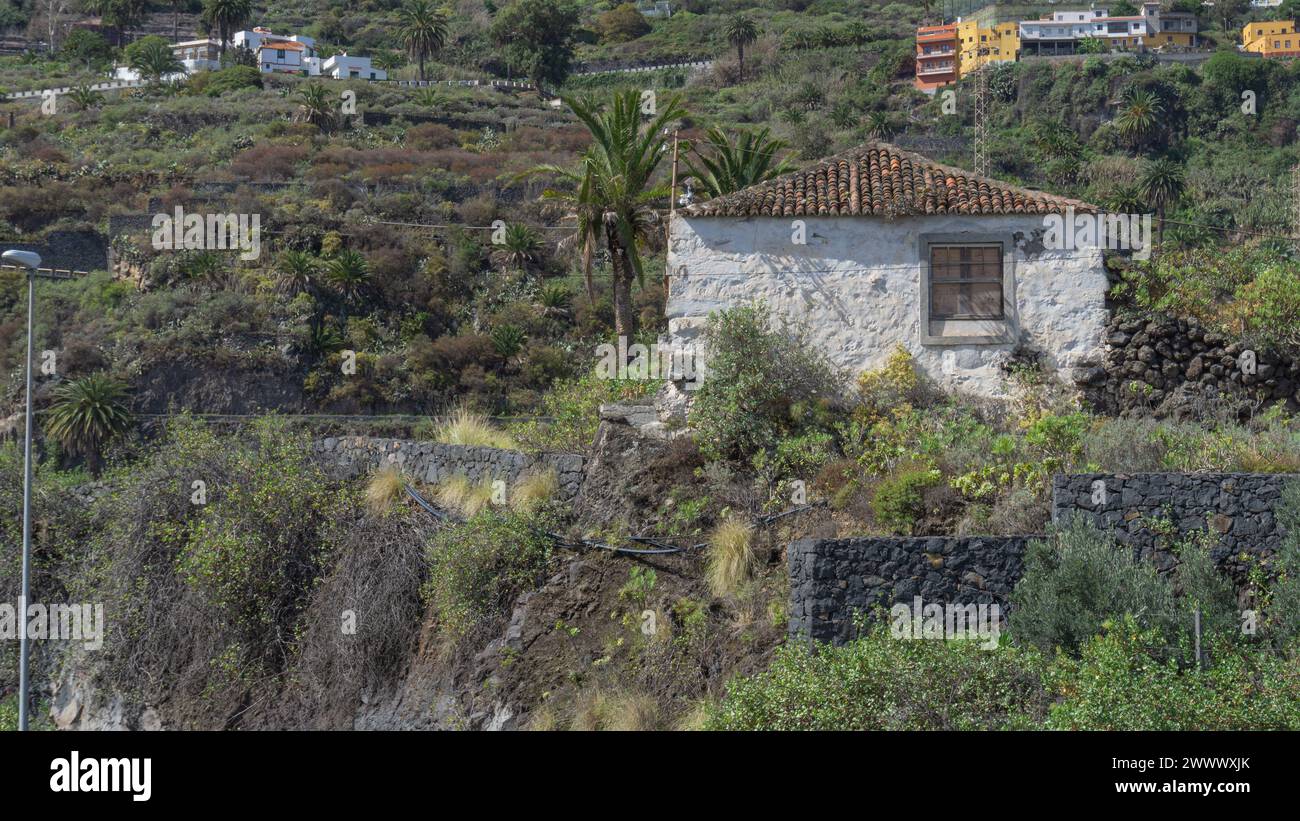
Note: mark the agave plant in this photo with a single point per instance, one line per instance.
(86, 414)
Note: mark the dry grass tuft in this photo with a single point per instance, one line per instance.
(463, 496)
(534, 490)
(624, 712)
(383, 490)
(469, 428)
(730, 557)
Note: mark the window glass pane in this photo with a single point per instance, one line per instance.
(966, 282)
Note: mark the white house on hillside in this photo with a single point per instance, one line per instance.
(343, 67)
(877, 248)
(198, 55)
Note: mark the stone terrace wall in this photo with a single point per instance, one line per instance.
(1175, 368)
(833, 579)
(348, 457)
(1238, 507)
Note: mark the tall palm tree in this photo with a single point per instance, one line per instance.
(86, 414)
(878, 125)
(586, 214)
(348, 273)
(612, 187)
(1161, 182)
(296, 272)
(731, 166)
(740, 31)
(519, 247)
(226, 16)
(1139, 119)
(423, 29)
(316, 105)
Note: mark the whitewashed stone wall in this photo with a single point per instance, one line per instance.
(857, 286)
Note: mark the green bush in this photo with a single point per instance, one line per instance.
(898, 503)
(476, 567)
(881, 683)
(1123, 682)
(763, 383)
(1077, 579)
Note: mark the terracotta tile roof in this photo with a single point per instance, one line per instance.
(877, 179)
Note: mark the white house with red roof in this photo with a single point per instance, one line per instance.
(877, 248)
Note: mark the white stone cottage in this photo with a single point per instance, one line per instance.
(896, 250)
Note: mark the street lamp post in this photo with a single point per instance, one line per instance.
(31, 261)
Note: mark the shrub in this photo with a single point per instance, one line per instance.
(881, 683)
(477, 567)
(898, 503)
(573, 406)
(1122, 682)
(730, 556)
(1077, 579)
(762, 384)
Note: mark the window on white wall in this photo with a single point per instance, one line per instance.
(966, 281)
(967, 289)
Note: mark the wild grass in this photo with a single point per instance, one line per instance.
(465, 427)
(730, 557)
(618, 711)
(383, 490)
(534, 490)
(463, 496)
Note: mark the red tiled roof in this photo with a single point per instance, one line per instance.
(877, 179)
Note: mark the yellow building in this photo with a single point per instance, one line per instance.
(1275, 38)
(1001, 43)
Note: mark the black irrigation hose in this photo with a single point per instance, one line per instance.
(660, 547)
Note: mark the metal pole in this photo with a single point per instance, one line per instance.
(672, 209)
(23, 649)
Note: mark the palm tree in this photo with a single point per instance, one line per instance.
(86, 414)
(349, 273)
(587, 218)
(1125, 198)
(423, 29)
(296, 272)
(154, 59)
(316, 106)
(612, 187)
(740, 31)
(1139, 119)
(519, 247)
(226, 16)
(1161, 182)
(751, 159)
(878, 126)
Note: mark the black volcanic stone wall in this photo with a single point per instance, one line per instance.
(832, 580)
(1166, 367)
(1237, 507)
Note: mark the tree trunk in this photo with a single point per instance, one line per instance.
(422, 66)
(740, 54)
(624, 319)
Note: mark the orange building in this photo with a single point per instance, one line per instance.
(936, 56)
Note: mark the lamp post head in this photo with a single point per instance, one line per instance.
(27, 259)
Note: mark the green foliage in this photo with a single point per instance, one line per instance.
(152, 57)
(881, 683)
(1122, 681)
(536, 37)
(733, 165)
(621, 24)
(898, 502)
(477, 567)
(87, 413)
(255, 547)
(764, 383)
(1078, 579)
(574, 406)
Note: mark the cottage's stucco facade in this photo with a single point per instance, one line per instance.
(858, 287)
